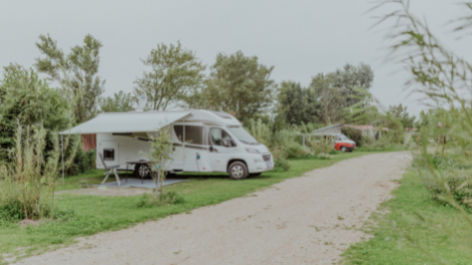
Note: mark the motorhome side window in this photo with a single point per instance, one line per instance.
(218, 137)
(109, 154)
(179, 132)
(193, 134)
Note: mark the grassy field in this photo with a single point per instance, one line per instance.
(93, 214)
(416, 230)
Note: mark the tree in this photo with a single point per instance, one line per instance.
(176, 74)
(120, 102)
(328, 97)
(350, 77)
(238, 84)
(76, 72)
(402, 115)
(161, 148)
(27, 100)
(296, 104)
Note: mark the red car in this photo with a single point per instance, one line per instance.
(343, 143)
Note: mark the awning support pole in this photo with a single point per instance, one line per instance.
(62, 157)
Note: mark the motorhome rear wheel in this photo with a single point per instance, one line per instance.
(142, 171)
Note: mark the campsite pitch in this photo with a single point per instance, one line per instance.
(306, 220)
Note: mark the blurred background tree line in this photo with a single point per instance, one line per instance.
(176, 78)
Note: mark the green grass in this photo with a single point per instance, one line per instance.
(95, 214)
(416, 230)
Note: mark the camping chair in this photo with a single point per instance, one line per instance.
(110, 169)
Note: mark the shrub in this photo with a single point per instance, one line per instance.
(11, 211)
(296, 150)
(353, 134)
(460, 188)
(281, 163)
(28, 178)
(83, 162)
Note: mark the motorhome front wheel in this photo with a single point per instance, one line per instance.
(237, 170)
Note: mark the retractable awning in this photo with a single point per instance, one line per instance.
(127, 122)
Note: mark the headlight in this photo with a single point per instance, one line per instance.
(253, 150)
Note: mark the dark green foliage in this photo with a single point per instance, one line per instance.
(462, 193)
(11, 211)
(281, 164)
(75, 72)
(295, 150)
(27, 100)
(120, 102)
(349, 78)
(167, 198)
(175, 76)
(83, 162)
(14, 211)
(297, 105)
(329, 98)
(353, 134)
(400, 112)
(238, 84)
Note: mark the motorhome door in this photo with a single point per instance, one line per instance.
(178, 156)
(109, 151)
(222, 148)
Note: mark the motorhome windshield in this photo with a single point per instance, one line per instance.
(242, 134)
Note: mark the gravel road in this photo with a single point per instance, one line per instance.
(306, 220)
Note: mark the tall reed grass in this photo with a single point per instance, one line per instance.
(28, 176)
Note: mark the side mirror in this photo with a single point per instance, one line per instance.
(211, 148)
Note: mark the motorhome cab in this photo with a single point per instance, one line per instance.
(203, 141)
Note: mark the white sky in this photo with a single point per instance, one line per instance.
(299, 38)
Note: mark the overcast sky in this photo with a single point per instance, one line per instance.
(298, 38)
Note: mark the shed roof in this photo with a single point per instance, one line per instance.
(328, 130)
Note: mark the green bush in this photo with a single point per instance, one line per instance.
(462, 193)
(296, 150)
(281, 163)
(83, 162)
(11, 211)
(353, 134)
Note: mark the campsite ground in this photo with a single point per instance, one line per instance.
(311, 219)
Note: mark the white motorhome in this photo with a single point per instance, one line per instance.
(203, 141)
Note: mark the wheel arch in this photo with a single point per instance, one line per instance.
(237, 160)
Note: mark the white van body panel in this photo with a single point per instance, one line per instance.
(194, 154)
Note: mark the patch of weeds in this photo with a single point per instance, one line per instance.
(167, 198)
(11, 211)
(63, 215)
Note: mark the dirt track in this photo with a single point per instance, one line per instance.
(306, 220)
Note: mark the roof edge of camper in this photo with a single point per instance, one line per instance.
(137, 121)
(125, 122)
